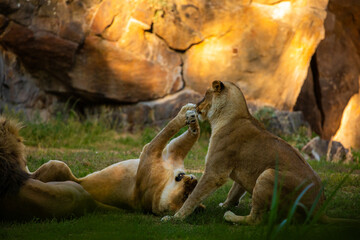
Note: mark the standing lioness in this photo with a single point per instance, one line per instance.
(240, 148)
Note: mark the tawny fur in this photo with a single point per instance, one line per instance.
(147, 183)
(22, 197)
(12, 160)
(241, 149)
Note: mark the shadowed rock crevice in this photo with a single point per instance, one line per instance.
(181, 51)
(333, 80)
(317, 87)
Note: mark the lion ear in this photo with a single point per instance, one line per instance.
(217, 86)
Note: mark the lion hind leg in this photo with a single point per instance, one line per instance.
(261, 199)
(288, 187)
(253, 218)
(54, 170)
(229, 216)
(235, 194)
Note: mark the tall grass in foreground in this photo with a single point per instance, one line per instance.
(274, 231)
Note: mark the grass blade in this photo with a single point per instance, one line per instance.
(297, 201)
(274, 204)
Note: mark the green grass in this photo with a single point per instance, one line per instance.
(91, 145)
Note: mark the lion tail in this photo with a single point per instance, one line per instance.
(330, 220)
(104, 207)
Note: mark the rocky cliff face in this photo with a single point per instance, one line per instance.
(146, 53)
(333, 80)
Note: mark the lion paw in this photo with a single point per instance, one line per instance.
(187, 107)
(229, 216)
(191, 120)
(190, 117)
(223, 205)
(166, 218)
(181, 117)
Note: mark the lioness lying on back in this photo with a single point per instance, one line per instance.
(241, 149)
(155, 183)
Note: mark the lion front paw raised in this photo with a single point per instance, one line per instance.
(191, 121)
(181, 117)
(187, 107)
(190, 117)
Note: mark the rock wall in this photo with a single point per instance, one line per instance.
(144, 53)
(334, 74)
(132, 51)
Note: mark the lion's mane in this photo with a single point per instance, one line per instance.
(12, 176)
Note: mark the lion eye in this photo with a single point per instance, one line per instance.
(179, 177)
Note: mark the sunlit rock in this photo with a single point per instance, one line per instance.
(106, 71)
(265, 48)
(349, 132)
(126, 51)
(335, 69)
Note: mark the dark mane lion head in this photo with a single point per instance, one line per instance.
(12, 158)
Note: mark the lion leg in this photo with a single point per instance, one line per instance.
(235, 194)
(54, 170)
(179, 147)
(261, 200)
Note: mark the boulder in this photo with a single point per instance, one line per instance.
(107, 72)
(316, 148)
(232, 46)
(280, 122)
(335, 70)
(171, 105)
(338, 76)
(338, 153)
(20, 93)
(102, 55)
(331, 151)
(157, 112)
(40, 51)
(122, 52)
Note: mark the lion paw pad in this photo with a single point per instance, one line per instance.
(191, 121)
(190, 117)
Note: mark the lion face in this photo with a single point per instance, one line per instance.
(185, 184)
(205, 108)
